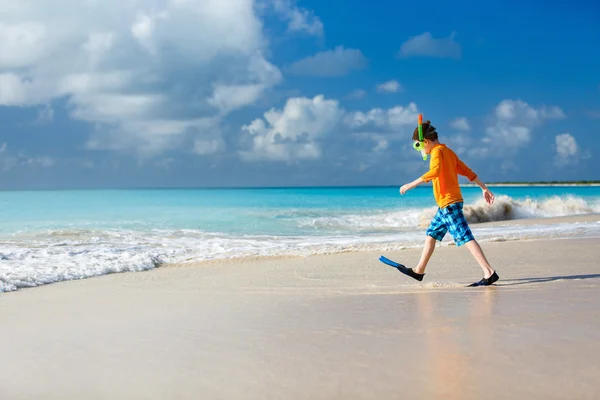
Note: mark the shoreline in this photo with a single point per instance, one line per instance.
(583, 226)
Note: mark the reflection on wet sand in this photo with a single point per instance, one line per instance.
(448, 348)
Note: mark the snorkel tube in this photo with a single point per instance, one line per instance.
(420, 145)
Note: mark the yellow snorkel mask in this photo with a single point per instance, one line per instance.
(420, 145)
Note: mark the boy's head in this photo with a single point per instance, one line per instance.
(430, 136)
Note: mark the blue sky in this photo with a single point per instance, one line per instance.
(172, 93)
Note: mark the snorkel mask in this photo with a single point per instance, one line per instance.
(420, 145)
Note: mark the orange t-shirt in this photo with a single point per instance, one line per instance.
(444, 168)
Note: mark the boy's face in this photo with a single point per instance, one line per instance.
(428, 146)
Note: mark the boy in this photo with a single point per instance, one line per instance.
(445, 166)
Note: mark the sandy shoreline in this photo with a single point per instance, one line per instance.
(320, 327)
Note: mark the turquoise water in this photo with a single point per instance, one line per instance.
(49, 236)
(282, 211)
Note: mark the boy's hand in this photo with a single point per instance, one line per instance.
(412, 185)
(488, 196)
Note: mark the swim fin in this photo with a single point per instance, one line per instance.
(486, 281)
(402, 268)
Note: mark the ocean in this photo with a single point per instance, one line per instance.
(51, 236)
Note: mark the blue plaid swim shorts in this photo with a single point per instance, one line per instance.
(450, 219)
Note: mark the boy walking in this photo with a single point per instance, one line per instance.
(445, 166)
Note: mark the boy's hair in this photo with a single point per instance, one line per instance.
(429, 132)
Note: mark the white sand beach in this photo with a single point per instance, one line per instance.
(322, 327)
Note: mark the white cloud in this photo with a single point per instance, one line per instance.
(16, 90)
(228, 97)
(392, 86)
(568, 151)
(460, 143)
(461, 124)
(359, 119)
(153, 135)
(211, 146)
(45, 115)
(294, 132)
(427, 46)
(331, 63)
(9, 160)
(357, 94)
(396, 119)
(45, 162)
(143, 28)
(399, 117)
(299, 19)
(97, 45)
(299, 130)
(21, 42)
(511, 128)
(122, 65)
(520, 112)
(381, 146)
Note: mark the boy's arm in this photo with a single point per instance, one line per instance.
(412, 185)
(462, 169)
(487, 194)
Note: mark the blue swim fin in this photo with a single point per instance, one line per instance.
(402, 268)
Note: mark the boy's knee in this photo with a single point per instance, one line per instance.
(465, 242)
(430, 238)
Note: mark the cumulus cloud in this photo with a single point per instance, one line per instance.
(146, 73)
(397, 118)
(297, 131)
(17, 91)
(568, 151)
(460, 124)
(512, 126)
(381, 146)
(299, 19)
(294, 132)
(332, 63)
(425, 45)
(392, 86)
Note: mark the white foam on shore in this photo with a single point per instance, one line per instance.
(28, 260)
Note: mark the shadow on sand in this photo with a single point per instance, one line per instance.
(526, 281)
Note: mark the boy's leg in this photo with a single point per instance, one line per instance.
(428, 249)
(436, 231)
(460, 231)
(477, 253)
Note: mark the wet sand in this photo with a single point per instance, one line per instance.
(322, 327)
